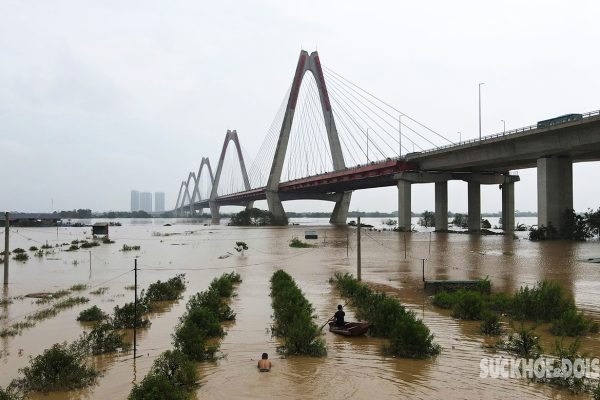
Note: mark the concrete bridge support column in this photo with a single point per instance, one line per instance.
(274, 204)
(508, 207)
(555, 189)
(441, 206)
(214, 212)
(404, 216)
(474, 204)
(340, 211)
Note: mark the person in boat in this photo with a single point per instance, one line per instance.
(338, 318)
(264, 364)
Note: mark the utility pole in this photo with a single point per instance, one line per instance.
(503, 127)
(6, 245)
(135, 310)
(358, 255)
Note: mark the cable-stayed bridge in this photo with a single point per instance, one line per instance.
(331, 137)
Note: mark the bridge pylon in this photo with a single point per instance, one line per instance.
(231, 136)
(306, 63)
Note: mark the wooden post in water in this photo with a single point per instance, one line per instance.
(347, 243)
(423, 269)
(429, 243)
(135, 310)
(6, 245)
(358, 255)
(405, 246)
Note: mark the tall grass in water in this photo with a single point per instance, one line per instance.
(409, 336)
(294, 318)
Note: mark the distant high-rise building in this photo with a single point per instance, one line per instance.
(146, 202)
(135, 200)
(159, 201)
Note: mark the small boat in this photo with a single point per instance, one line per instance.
(350, 328)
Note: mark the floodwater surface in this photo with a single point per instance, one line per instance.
(354, 368)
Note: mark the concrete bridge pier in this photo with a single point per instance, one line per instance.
(340, 210)
(508, 206)
(404, 199)
(274, 204)
(441, 206)
(474, 206)
(555, 189)
(214, 212)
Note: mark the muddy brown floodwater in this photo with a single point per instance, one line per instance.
(353, 368)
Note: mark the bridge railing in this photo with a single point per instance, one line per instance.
(501, 134)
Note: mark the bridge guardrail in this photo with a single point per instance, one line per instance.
(496, 135)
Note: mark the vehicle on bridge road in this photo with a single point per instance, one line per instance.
(559, 120)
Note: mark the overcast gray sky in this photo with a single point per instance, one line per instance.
(101, 97)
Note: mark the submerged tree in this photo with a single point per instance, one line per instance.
(427, 219)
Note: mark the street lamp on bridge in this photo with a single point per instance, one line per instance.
(367, 145)
(482, 83)
(503, 126)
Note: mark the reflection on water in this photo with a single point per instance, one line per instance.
(353, 368)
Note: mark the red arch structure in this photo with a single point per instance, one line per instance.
(305, 64)
(231, 136)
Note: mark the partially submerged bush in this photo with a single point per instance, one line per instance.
(130, 248)
(172, 377)
(201, 322)
(33, 248)
(103, 339)
(18, 250)
(468, 305)
(124, 317)
(21, 257)
(78, 287)
(61, 367)
(524, 342)
(544, 302)
(92, 314)
(87, 245)
(11, 393)
(573, 323)
(106, 240)
(490, 324)
(299, 244)
(293, 318)
(409, 336)
(166, 291)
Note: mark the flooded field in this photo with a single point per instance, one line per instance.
(354, 368)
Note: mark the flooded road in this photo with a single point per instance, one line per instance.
(354, 368)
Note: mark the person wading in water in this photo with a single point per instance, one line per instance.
(264, 365)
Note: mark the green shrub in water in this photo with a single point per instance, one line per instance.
(293, 318)
(124, 317)
(490, 324)
(543, 302)
(11, 393)
(299, 244)
(59, 368)
(166, 291)
(172, 377)
(92, 314)
(191, 340)
(573, 323)
(468, 305)
(104, 339)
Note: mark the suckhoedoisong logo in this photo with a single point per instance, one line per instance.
(539, 368)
